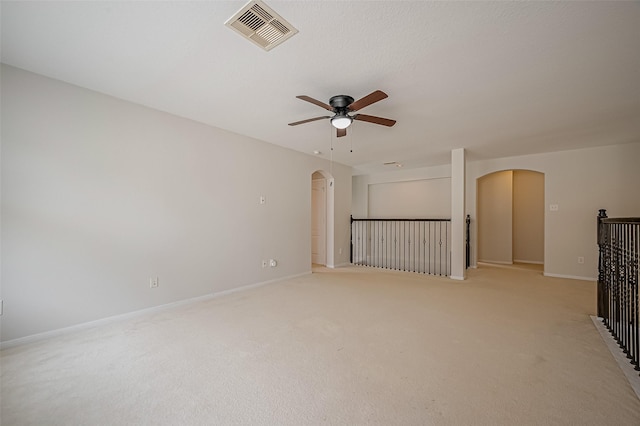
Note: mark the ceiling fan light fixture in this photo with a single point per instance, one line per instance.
(341, 106)
(341, 121)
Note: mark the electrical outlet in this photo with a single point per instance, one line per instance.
(553, 207)
(153, 282)
(264, 264)
(580, 259)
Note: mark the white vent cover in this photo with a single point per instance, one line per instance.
(259, 23)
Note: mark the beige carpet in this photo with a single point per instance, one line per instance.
(352, 346)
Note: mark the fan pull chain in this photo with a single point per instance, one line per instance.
(331, 153)
(351, 141)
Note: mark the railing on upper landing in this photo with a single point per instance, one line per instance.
(415, 245)
(618, 304)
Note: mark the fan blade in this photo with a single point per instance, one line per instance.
(372, 119)
(308, 120)
(341, 132)
(315, 102)
(376, 96)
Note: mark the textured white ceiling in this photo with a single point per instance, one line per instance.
(497, 78)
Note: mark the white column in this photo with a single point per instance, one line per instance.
(458, 165)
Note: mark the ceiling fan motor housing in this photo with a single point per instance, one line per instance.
(340, 102)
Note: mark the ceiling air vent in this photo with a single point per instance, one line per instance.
(260, 24)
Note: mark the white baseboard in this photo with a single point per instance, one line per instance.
(340, 265)
(571, 277)
(154, 309)
(620, 357)
(499, 262)
(454, 277)
(532, 262)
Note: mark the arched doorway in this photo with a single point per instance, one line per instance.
(510, 211)
(322, 218)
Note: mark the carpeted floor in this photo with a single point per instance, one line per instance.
(351, 346)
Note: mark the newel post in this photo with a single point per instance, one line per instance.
(602, 287)
(351, 240)
(468, 246)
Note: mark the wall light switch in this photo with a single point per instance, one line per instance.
(553, 207)
(263, 200)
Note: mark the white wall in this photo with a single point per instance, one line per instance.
(579, 181)
(405, 184)
(495, 217)
(411, 199)
(528, 216)
(99, 194)
(510, 217)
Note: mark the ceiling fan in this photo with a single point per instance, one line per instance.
(342, 105)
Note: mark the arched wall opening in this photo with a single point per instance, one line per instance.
(510, 217)
(322, 218)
